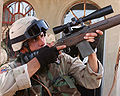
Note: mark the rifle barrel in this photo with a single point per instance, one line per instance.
(106, 24)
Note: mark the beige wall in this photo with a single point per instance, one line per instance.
(53, 10)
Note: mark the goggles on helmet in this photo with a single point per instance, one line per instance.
(32, 31)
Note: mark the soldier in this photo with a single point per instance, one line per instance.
(42, 70)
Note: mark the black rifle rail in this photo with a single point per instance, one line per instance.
(77, 37)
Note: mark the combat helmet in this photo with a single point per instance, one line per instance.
(24, 29)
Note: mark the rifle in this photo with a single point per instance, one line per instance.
(76, 37)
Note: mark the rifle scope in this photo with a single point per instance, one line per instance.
(96, 14)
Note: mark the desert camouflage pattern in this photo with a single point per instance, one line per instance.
(60, 79)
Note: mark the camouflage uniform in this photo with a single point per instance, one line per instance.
(57, 79)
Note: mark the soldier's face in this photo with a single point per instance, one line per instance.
(37, 43)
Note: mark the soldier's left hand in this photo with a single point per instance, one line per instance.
(90, 36)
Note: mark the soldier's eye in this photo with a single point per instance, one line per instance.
(42, 34)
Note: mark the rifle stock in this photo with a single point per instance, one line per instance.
(78, 36)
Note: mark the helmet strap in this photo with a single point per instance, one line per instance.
(25, 44)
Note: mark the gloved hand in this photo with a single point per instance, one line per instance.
(47, 55)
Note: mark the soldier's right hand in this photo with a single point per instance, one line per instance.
(47, 55)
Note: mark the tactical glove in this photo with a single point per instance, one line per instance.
(47, 55)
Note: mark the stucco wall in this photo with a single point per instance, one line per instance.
(53, 10)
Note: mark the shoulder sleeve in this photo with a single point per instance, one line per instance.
(82, 73)
(13, 80)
